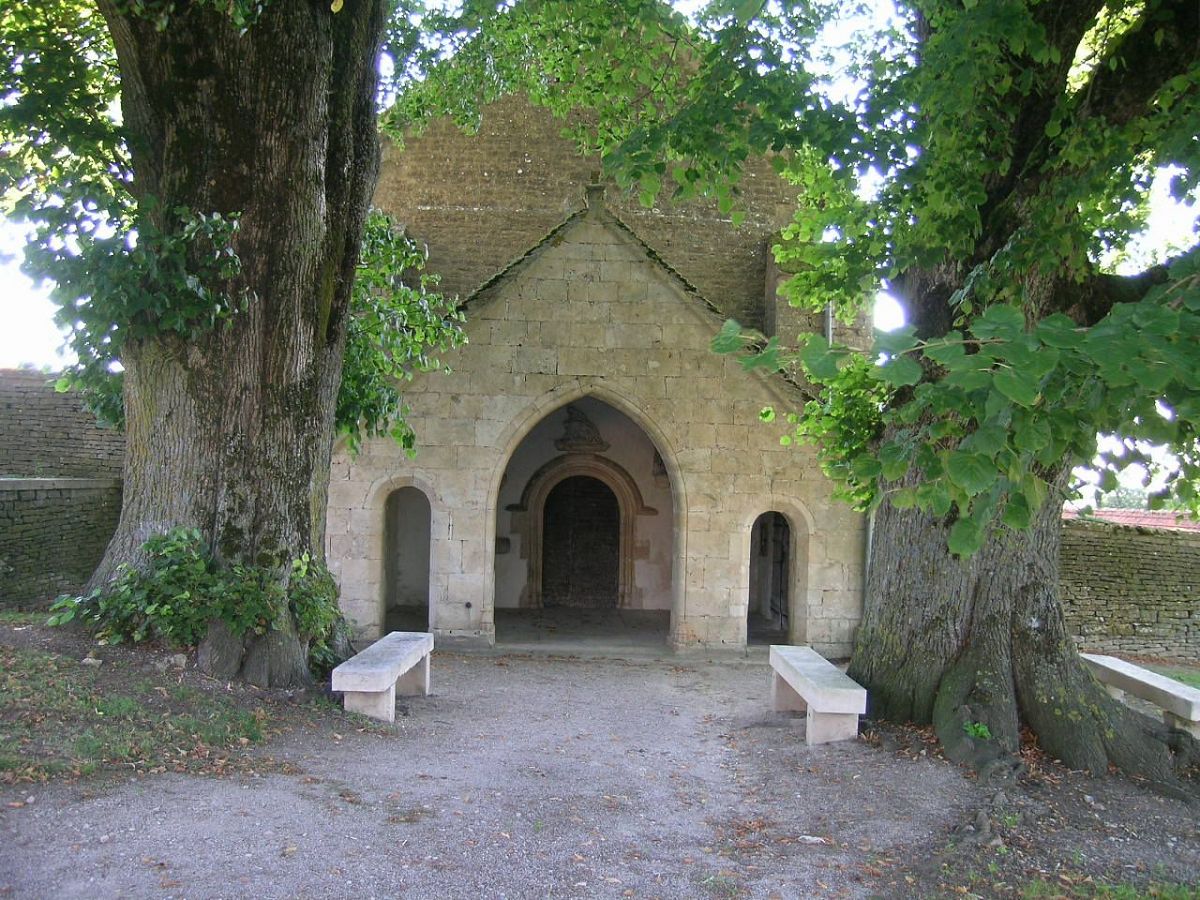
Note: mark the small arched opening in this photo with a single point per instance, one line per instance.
(769, 605)
(406, 534)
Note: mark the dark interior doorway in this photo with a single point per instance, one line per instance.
(769, 605)
(407, 519)
(581, 545)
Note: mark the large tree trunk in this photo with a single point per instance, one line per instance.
(231, 431)
(982, 641)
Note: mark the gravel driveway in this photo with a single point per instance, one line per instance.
(518, 777)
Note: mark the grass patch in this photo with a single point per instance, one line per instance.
(59, 717)
(1183, 674)
(21, 617)
(1190, 677)
(1085, 888)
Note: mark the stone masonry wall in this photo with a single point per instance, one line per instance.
(47, 434)
(53, 532)
(481, 200)
(590, 313)
(60, 490)
(1131, 590)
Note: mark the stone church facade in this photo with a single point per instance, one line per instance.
(587, 450)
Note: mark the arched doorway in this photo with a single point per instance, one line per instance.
(585, 544)
(581, 537)
(769, 605)
(406, 531)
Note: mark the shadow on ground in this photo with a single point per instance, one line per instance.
(529, 776)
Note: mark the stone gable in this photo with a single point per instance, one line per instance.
(481, 200)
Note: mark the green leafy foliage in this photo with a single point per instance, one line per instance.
(113, 288)
(181, 589)
(669, 102)
(977, 730)
(398, 325)
(991, 212)
(63, 158)
(120, 269)
(844, 425)
(994, 211)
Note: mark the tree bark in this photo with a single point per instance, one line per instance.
(231, 431)
(981, 641)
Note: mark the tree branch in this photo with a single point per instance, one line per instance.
(1091, 302)
(1160, 46)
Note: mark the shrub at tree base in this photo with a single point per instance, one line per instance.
(182, 590)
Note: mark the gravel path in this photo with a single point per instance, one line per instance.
(519, 777)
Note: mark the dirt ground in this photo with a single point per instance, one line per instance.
(556, 777)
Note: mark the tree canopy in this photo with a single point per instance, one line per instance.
(123, 269)
(1008, 142)
(1002, 150)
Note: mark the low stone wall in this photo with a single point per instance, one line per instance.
(53, 532)
(1132, 590)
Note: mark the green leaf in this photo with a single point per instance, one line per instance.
(895, 343)
(819, 358)
(971, 472)
(900, 371)
(1017, 514)
(1060, 331)
(1034, 490)
(1032, 435)
(948, 350)
(989, 440)
(893, 460)
(866, 467)
(747, 10)
(729, 338)
(966, 537)
(935, 497)
(969, 379)
(1018, 387)
(999, 321)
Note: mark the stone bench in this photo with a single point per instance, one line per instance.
(396, 662)
(805, 680)
(1179, 702)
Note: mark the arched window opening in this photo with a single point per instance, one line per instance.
(768, 610)
(406, 533)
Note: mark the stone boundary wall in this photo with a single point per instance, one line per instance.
(53, 532)
(60, 489)
(47, 434)
(1131, 590)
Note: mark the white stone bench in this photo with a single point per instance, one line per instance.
(805, 680)
(396, 662)
(1179, 702)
